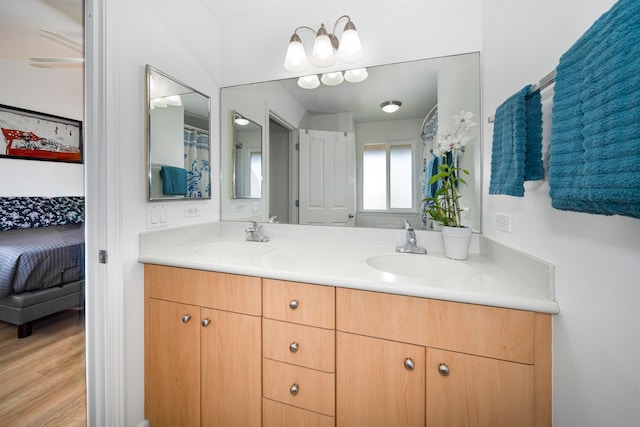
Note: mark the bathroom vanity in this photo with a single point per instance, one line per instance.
(309, 333)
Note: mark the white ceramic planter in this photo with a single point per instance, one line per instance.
(456, 241)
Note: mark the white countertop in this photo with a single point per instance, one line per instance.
(342, 261)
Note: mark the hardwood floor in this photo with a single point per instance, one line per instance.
(42, 377)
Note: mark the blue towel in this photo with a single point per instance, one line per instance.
(594, 164)
(516, 155)
(430, 170)
(174, 181)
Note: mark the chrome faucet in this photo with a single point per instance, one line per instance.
(411, 247)
(255, 234)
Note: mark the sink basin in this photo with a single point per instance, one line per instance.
(234, 249)
(420, 266)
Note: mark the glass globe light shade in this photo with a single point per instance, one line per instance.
(332, 79)
(350, 48)
(296, 59)
(309, 82)
(356, 76)
(323, 54)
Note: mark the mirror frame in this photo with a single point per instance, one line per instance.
(149, 70)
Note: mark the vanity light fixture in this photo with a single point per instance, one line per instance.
(332, 79)
(309, 82)
(390, 106)
(164, 102)
(326, 47)
(173, 100)
(356, 76)
(239, 120)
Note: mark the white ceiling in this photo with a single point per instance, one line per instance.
(21, 21)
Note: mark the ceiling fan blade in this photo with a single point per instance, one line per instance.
(54, 59)
(62, 39)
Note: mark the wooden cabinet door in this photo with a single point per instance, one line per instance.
(478, 391)
(231, 369)
(172, 364)
(374, 387)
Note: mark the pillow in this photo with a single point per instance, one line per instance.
(25, 212)
(67, 210)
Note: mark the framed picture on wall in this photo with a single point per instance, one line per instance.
(31, 135)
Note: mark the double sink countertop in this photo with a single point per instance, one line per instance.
(494, 275)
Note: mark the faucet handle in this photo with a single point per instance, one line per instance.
(407, 226)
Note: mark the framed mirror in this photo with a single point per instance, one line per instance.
(178, 127)
(247, 158)
(332, 156)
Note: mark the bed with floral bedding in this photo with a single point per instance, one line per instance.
(41, 258)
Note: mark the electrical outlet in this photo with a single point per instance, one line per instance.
(191, 211)
(503, 222)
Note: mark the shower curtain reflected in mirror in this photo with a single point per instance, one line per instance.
(196, 162)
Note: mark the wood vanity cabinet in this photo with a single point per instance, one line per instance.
(298, 354)
(202, 348)
(408, 361)
(231, 350)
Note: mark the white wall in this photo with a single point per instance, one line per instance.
(596, 336)
(184, 40)
(402, 31)
(51, 91)
(596, 345)
(170, 36)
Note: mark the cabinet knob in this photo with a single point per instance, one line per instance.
(293, 304)
(206, 321)
(408, 363)
(293, 347)
(443, 369)
(294, 389)
(186, 318)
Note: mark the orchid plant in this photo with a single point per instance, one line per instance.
(444, 206)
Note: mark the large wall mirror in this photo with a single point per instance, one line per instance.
(178, 126)
(247, 158)
(331, 156)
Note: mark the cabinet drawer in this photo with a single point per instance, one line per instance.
(486, 331)
(302, 303)
(276, 414)
(315, 389)
(229, 292)
(314, 347)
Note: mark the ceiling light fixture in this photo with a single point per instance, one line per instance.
(239, 120)
(326, 48)
(390, 106)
